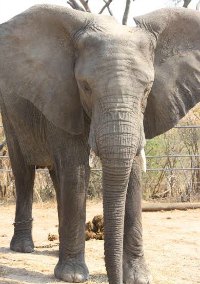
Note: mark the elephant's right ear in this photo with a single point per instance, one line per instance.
(175, 34)
(39, 58)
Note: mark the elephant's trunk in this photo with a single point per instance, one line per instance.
(117, 144)
(114, 195)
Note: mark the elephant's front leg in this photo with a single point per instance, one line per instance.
(71, 195)
(135, 270)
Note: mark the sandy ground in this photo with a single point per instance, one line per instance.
(172, 247)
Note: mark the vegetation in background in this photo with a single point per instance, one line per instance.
(175, 155)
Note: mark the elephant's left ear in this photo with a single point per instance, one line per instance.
(175, 34)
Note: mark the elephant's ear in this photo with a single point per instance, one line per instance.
(39, 58)
(176, 87)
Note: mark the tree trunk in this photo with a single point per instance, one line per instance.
(126, 12)
(186, 3)
(198, 6)
(153, 207)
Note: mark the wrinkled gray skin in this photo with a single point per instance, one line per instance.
(69, 77)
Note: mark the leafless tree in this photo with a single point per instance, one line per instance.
(75, 4)
(83, 5)
(186, 3)
(80, 5)
(107, 5)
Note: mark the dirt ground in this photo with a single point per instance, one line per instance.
(172, 247)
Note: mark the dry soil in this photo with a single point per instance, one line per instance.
(172, 247)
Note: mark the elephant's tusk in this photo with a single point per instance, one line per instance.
(144, 161)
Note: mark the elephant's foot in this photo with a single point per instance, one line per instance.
(135, 271)
(72, 270)
(22, 242)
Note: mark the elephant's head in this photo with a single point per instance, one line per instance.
(80, 63)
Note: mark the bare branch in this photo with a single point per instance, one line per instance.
(105, 6)
(198, 6)
(76, 5)
(126, 12)
(177, 1)
(108, 7)
(186, 3)
(85, 5)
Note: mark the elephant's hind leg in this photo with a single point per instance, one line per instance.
(24, 175)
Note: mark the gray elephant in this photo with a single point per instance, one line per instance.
(69, 77)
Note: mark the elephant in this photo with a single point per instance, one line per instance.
(72, 81)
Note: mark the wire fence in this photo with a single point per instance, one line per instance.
(173, 173)
(173, 166)
(173, 170)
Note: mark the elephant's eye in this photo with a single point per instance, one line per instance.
(86, 87)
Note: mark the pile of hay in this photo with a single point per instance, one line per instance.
(95, 229)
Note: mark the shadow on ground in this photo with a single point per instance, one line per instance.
(9, 274)
(7, 250)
